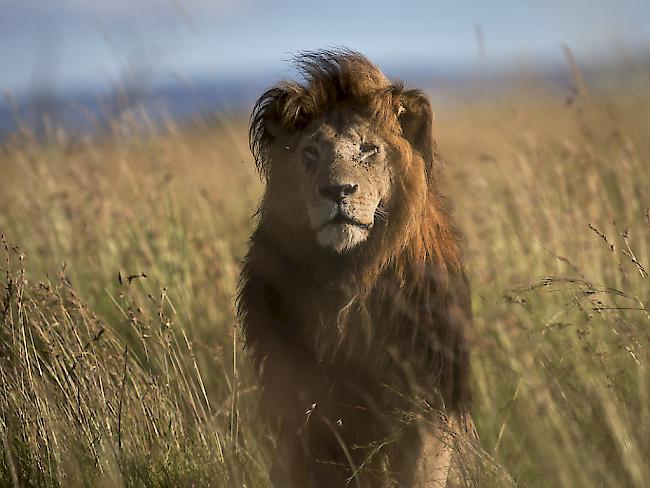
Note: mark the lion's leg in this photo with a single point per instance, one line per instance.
(435, 458)
(332, 462)
(289, 467)
(313, 458)
(422, 457)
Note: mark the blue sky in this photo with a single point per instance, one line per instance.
(72, 43)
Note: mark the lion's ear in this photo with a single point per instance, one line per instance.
(276, 116)
(416, 119)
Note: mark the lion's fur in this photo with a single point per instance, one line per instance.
(386, 321)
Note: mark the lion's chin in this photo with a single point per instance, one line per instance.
(341, 237)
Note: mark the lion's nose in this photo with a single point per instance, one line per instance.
(337, 192)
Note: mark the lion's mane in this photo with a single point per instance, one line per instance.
(390, 315)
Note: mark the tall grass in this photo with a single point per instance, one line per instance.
(119, 360)
(554, 204)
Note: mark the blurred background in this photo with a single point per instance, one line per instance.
(77, 61)
(127, 196)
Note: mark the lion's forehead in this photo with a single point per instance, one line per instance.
(340, 127)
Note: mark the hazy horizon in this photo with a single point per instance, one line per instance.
(66, 44)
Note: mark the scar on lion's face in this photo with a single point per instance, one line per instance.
(344, 176)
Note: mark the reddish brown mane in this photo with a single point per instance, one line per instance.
(402, 301)
(335, 78)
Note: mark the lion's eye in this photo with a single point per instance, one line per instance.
(368, 149)
(310, 156)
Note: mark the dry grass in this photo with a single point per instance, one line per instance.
(118, 358)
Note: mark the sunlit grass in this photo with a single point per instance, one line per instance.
(119, 357)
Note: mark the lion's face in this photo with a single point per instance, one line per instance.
(344, 178)
(347, 157)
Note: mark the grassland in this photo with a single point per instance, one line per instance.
(119, 359)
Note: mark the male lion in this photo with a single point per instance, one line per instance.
(353, 299)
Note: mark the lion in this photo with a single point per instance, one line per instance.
(353, 300)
